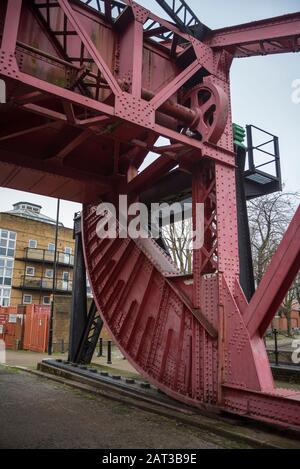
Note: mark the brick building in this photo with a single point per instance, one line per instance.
(281, 324)
(27, 245)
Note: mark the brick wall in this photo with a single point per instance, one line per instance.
(43, 233)
(280, 323)
(61, 323)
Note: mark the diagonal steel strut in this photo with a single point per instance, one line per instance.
(276, 281)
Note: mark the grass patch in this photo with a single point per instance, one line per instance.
(9, 369)
(288, 385)
(121, 408)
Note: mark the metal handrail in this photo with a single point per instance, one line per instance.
(46, 283)
(46, 255)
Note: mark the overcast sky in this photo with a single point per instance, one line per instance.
(261, 89)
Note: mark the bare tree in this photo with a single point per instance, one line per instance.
(178, 238)
(269, 217)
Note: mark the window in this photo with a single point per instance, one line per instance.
(88, 288)
(32, 244)
(65, 280)
(65, 276)
(5, 296)
(46, 300)
(6, 271)
(30, 271)
(27, 299)
(49, 273)
(7, 243)
(51, 247)
(7, 253)
(67, 256)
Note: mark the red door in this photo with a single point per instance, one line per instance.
(11, 330)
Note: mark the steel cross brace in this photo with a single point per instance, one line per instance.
(144, 111)
(270, 36)
(276, 282)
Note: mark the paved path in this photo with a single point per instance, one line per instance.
(31, 359)
(37, 413)
(284, 343)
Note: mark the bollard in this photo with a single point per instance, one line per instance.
(275, 332)
(109, 362)
(100, 350)
(62, 346)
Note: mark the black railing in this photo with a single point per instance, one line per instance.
(282, 355)
(263, 157)
(30, 282)
(47, 256)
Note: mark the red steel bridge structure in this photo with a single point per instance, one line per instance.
(91, 86)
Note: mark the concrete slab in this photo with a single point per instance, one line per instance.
(38, 413)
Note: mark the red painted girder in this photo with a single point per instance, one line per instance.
(150, 174)
(217, 153)
(150, 317)
(90, 46)
(281, 406)
(197, 356)
(11, 25)
(283, 30)
(276, 281)
(50, 178)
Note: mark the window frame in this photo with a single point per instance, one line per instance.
(8, 265)
(27, 302)
(49, 276)
(68, 275)
(5, 299)
(32, 240)
(46, 304)
(30, 267)
(8, 243)
(51, 244)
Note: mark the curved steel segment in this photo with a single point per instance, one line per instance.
(147, 307)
